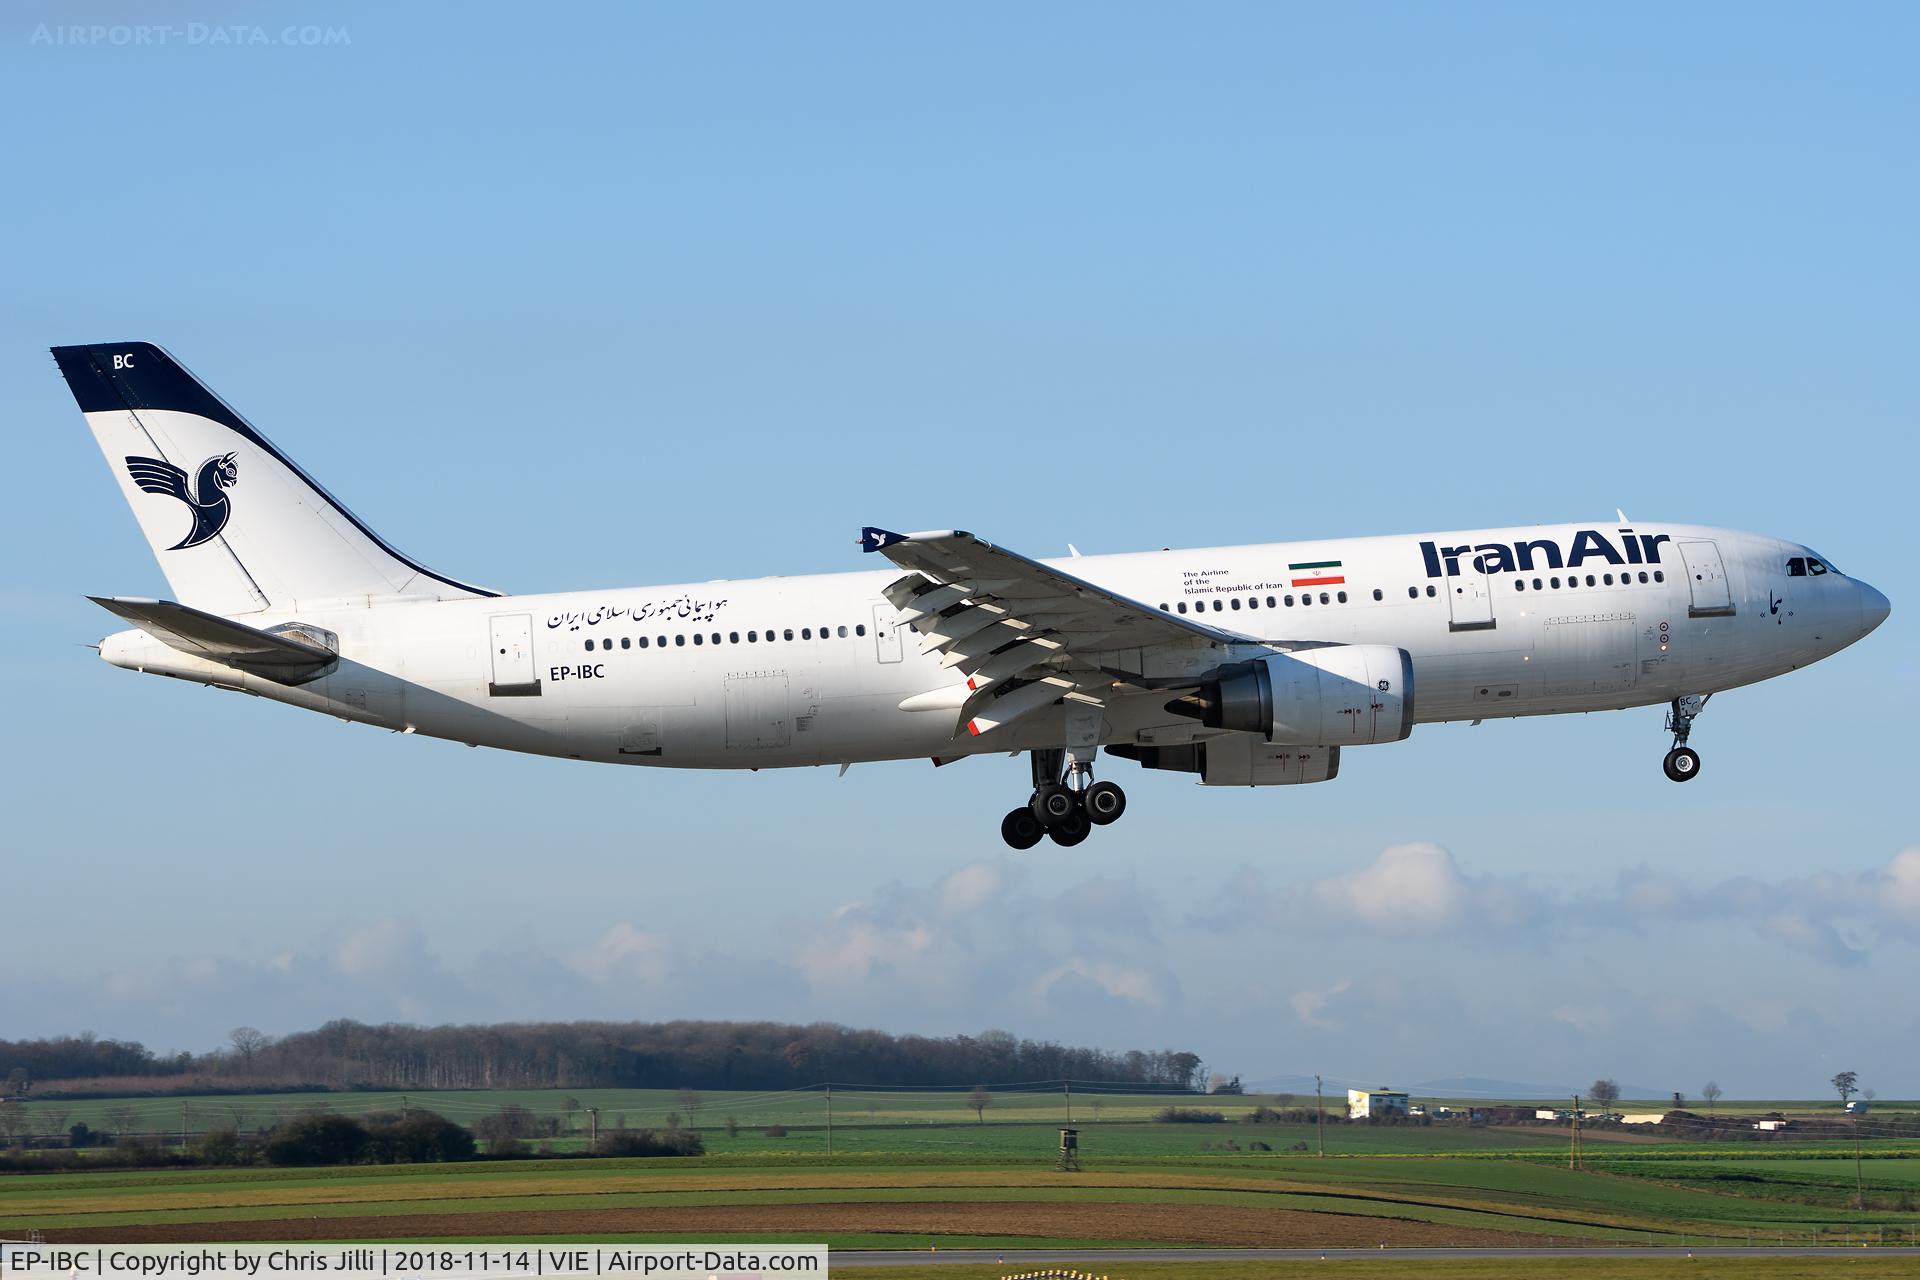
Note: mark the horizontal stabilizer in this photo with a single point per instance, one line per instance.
(290, 656)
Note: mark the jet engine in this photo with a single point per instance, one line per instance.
(1340, 695)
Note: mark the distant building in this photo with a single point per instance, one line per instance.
(1856, 1108)
(1548, 1113)
(1771, 1126)
(1366, 1104)
(1643, 1117)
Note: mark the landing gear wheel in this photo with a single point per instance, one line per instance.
(1682, 764)
(1104, 803)
(1070, 830)
(1054, 804)
(1021, 829)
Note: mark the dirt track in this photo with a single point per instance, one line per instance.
(918, 1221)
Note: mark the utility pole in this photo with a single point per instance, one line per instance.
(829, 1117)
(183, 1128)
(593, 1128)
(1066, 1087)
(1320, 1116)
(406, 1111)
(1859, 1185)
(1573, 1151)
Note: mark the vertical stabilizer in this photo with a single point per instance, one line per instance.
(236, 525)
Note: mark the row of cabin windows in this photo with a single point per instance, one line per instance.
(1253, 602)
(1573, 580)
(730, 637)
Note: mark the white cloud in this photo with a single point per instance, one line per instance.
(972, 886)
(382, 949)
(626, 954)
(1309, 1006)
(1408, 886)
(1902, 883)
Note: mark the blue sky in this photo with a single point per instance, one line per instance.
(654, 294)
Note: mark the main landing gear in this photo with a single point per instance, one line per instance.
(1683, 762)
(1067, 804)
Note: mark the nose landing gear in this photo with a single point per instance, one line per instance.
(1682, 764)
(1066, 804)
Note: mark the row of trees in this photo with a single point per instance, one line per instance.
(703, 1055)
(1606, 1091)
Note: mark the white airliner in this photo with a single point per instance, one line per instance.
(1247, 666)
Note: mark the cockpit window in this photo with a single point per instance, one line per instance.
(1808, 567)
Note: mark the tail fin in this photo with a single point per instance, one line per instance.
(236, 526)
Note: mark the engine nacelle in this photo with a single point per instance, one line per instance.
(1238, 761)
(1341, 695)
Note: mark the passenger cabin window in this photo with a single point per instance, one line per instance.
(787, 634)
(1343, 597)
(1271, 604)
(680, 641)
(1430, 591)
(1413, 593)
(698, 638)
(1659, 575)
(1236, 604)
(626, 642)
(1377, 595)
(1183, 606)
(643, 642)
(860, 629)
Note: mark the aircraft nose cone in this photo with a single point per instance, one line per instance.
(1874, 608)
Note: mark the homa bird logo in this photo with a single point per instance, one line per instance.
(207, 499)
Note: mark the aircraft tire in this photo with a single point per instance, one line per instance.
(1054, 804)
(1071, 831)
(1104, 803)
(1682, 764)
(1020, 829)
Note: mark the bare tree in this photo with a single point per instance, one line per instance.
(240, 1113)
(120, 1117)
(248, 1041)
(1711, 1092)
(1846, 1084)
(1099, 1104)
(1606, 1092)
(13, 1121)
(1869, 1094)
(18, 1083)
(53, 1120)
(690, 1102)
(569, 1106)
(979, 1099)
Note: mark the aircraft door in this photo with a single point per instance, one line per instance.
(886, 633)
(757, 714)
(1707, 579)
(512, 655)
(1470, 598)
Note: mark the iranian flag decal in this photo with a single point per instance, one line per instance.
(1320, 573)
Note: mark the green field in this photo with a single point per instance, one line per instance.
(919, 1170)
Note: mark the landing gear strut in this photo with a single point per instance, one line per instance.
(1683, 762)
(1066, 804)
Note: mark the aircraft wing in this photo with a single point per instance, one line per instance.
(285, 658)
(1025, 633)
